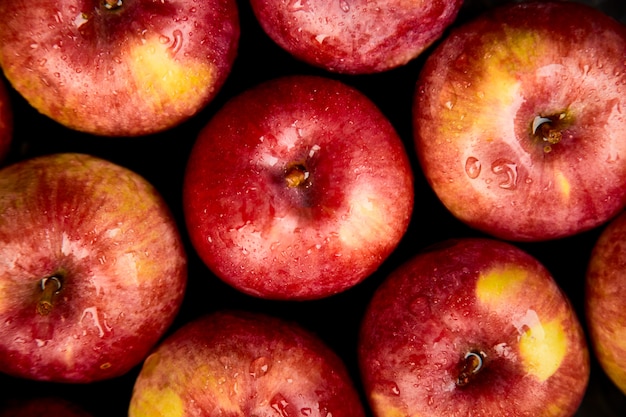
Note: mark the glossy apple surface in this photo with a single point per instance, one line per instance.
(298, 188)
(6, 122)
(518, 120)
(244, 364)
(605, 300)
(92, 268)
(472, 327)
(118, 68)
(355, 36)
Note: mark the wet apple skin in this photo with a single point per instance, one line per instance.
(474, 109)
(437, 307)
(114, 244)
(323, 237)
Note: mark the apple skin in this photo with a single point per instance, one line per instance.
(605, 300)
(478, 95)
(355, 36)
(477, 296)
(314, 237)
(107, 235)
(244, 364)
(6, 122)
(137, 69)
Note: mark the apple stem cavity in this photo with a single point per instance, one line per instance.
(50, 287)
(296, 175)
(112, 4)
(543, 128)
(471, 366)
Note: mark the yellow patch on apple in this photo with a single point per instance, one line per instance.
(383, 407)
(165, 81)
(542, 348)
(563, 184)
(499, 286)
(153, 402)
(366, 222)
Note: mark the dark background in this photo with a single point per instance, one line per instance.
(161, 158)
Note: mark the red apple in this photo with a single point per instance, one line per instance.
(118, 67)
(6, 122)
(92, 268)
(244, 364)
(605, 300)
(355, 36)
(518, 120)
(472, 327)
(297, 189)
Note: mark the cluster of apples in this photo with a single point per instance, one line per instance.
(296, 192)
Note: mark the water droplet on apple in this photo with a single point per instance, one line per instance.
(345, 6)
(297, 5)
(178, 41)
(164, 39)
(259, 367)
(306, 411)
(508, 170)
(280, 404)
(472, 167)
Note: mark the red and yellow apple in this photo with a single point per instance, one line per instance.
(92, 268)
(472, 327)
(518, 120)
(605, 300)
(355, 36)
(298, 188)
(244, 364)
(118, 67)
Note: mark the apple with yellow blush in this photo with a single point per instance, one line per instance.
(472, 327)
(518, 118)
(244, 364)
(118, 67)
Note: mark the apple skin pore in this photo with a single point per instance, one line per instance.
(353, 36)
(243, 364)
(475, 103)
(139, 69)
(111, 240)
(324, 236)
(481, 296)
(605, 301)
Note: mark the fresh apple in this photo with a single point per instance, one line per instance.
(92, 268)
(118, 67)
(244, 364)
(355, 36)
(6, 122)
(41, 407)
(605, 300)
(518, 120)
(472, 327)
(298, 188)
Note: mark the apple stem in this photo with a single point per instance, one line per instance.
(296, 175)
(544, 129)
(50, 287)
(472, 364)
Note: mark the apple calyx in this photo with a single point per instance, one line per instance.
(471, 365)
(546, 130)
(112, 4)
(50, 287)
(296, 175)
